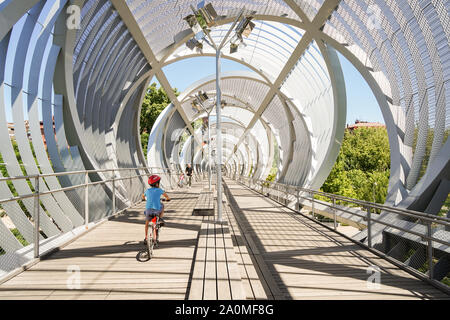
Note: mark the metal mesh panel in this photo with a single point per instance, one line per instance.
(155, 17)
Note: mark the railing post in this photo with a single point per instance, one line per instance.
(286, 202)
(430, 251)
(86, 199)
(334, 213)
(113, 192)
(36, 216)
(298, 199)
(312, 205)
(369, 227)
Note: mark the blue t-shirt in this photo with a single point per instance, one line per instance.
(153, 196)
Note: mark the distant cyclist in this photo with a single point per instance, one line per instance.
(153, 206)
(181, 180)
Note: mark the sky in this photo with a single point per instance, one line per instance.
(361, 103)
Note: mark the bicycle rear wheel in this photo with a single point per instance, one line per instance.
(158, 230)
(150, 242)
(143, 256)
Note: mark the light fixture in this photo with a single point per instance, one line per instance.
(244, 29)
(202, 19)
(233, 47)
(202, 96)
(194, 44)
(193, 23)
(206, 16)
(195, 106)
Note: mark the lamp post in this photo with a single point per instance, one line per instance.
(200, 97)
(199, 22)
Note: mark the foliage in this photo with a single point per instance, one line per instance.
(273, 174)
(19, 237)
(362, 161)
(197, 124)
(155, 101)
(426, 158)
(4, 173)
(428, 146)
(276, 159)
(144, 141)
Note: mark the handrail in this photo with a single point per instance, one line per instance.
(363, 203)
(420, 217)
(424, 220)
(38, 191)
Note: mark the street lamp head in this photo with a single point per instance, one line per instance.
(233, 48)
(195, 106)
(244, 28)
(194, 44)
(208, 14)
(202, 96)
(199, 22)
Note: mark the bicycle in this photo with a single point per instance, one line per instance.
(181, 181)
(154, 227)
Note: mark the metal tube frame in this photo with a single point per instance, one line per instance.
(86, 199)
(36, 216)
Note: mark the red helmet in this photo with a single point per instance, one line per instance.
(153, 179)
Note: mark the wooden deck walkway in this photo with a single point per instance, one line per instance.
(106, 258)
(216, 275)
(274, 254)
(300, 259)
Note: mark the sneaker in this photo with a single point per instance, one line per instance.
(145, 241)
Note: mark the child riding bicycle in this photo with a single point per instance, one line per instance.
(181, 180)
(153, 206)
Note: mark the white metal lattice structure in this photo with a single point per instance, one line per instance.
(81, 89)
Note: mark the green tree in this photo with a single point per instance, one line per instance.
(362, 167)
(155, 101)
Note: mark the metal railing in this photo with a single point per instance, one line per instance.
(375, 218)
(116, 176)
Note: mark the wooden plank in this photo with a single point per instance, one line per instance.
(210, 287)
(106, 257)
(252, 284)
(204, 205)
(223, 283)
(237, 289)
(197, 284)
(318, 264)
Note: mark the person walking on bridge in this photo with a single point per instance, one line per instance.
(189, 174)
